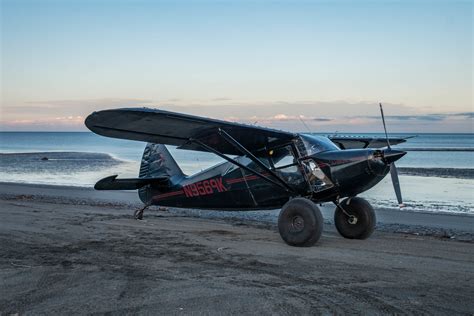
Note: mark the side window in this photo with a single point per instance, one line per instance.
(282, 156)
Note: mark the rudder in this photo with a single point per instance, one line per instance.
(156, 162)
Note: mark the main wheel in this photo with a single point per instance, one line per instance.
(300, 223)
(359, 222)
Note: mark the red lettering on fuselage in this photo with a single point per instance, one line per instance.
(188, 191)
(205, 187)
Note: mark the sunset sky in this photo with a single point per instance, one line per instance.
(277, 63)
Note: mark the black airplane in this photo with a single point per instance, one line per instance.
(264, 169)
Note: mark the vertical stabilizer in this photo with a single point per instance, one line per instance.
(157, 162)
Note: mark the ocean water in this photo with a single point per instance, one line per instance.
(82, 158)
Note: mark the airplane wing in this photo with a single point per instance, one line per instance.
(355, 142)
(170, 128)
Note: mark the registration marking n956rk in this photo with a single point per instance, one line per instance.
(205, 187)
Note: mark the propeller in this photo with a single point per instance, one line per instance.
(391, 156)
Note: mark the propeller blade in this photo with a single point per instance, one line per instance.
(390, 157)
(396, 184)
(384, 127)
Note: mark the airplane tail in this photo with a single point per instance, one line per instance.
(157, 162)
(158, 170)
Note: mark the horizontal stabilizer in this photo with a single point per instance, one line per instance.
(112, 183)
(358, 142)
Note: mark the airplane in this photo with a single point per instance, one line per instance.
(263, 168)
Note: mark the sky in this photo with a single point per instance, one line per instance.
(321, 66)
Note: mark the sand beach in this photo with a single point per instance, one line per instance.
(75, 250)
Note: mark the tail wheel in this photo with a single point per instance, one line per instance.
(357, 220)
(138, 214)
(300, 223)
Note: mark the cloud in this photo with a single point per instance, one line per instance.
(282, 118)
(221, 99)
(424, 117)
(69, 123)
(465, 114)
(325, 109)
(321, 119)
(45, 109)
(93, 102)
(293, 116)
(428, 117)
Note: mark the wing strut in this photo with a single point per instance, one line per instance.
(238, 164)
(245, 151)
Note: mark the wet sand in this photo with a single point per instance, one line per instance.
(72, 250)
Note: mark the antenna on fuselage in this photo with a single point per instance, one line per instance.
(384, 126)
(306, 126)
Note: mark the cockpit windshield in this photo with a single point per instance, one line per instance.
(316, 144)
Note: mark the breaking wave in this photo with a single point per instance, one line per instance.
(56, 162)
(465, 149)
(459, 173)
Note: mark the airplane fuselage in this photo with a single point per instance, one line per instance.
(344, 173)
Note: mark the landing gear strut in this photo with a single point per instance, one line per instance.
(354, 218)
